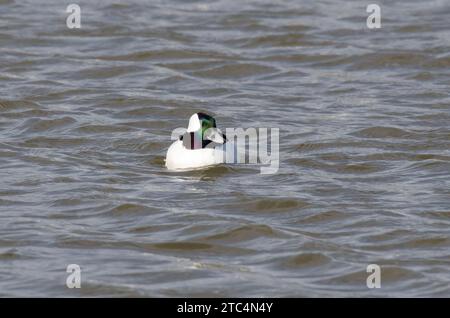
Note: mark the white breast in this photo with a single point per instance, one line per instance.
(180, 158)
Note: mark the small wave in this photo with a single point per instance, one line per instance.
(306, 260)
(241, 70)
(11, 255)
(244, 233)
(388, 60)
(49, 142)
(101, 129)
(107, 72)
(324, 217)
(266, 205)
(37, 125)
(275, 40)
(166, 55)
(126, 209)
(17, 104)
(382, 132)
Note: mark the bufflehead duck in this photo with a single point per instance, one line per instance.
(200, 146)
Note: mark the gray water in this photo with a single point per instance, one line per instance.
(86, 116)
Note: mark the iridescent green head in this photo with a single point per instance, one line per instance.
(202, 132)
(200, 122)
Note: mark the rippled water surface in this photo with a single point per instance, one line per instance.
(86, 116)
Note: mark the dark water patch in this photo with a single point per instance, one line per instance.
(389, 60)
(396, 274)
(341, 168)
(102, 129)
(388, 236)
(127, 209)
(306, 260)
(167, 54)
(423, 76)
(324, 217)
(147, 229)
(197, 247)
(299, 58)
(191, 66)
(92, 289)
(442, 215)
(13, 105)
(265, 205)
(158, 161)
(415, 243)
(278, 40)
(43, 125)
(173, 80)
(439, 62)
(184, 247)
(305, 147)
(232, 71)
(67, 202)
(429, 95)
(414, 28)
(11, 255)
(383, 132)
(244, 233)
(53, 142)
(70, 93)
(428, 165)
(139, 146)
(108, 72)
(6, 2)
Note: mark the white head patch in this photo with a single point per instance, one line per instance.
(194, 123)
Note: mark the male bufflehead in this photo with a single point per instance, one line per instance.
(200, 146)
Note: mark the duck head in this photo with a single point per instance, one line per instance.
(202, 132)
